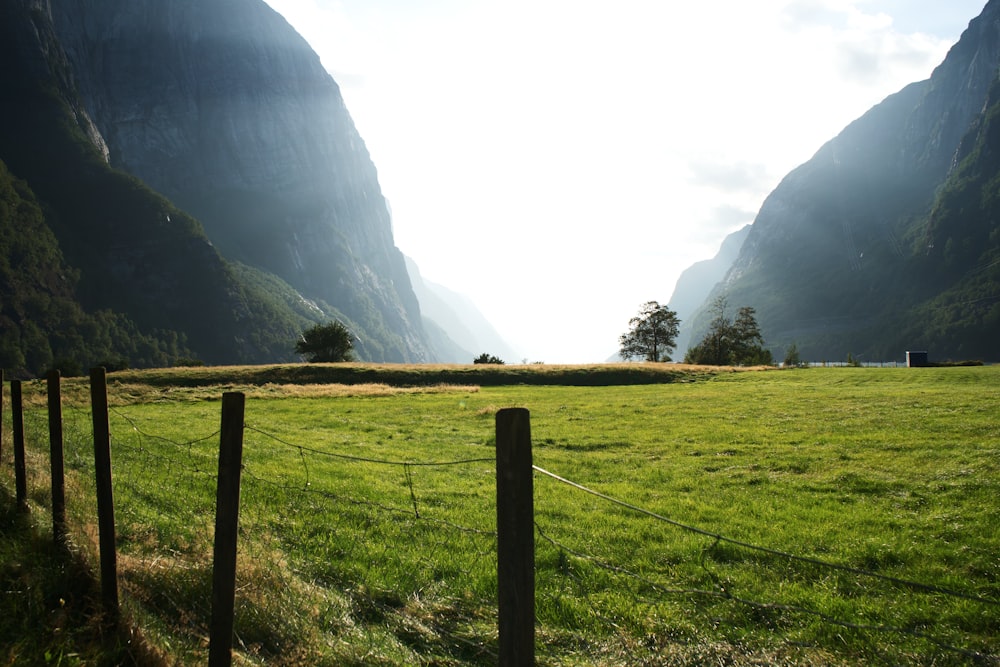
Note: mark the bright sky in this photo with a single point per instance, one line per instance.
(562, 161)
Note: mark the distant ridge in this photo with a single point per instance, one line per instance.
(456, 314)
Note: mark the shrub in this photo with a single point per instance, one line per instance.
(486, 358)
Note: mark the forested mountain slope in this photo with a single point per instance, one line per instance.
(862, 250)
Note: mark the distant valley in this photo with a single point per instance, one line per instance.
(182, 183)
(199, 190)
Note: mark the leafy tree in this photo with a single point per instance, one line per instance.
(652, 333)
(486, 358)
(748, 342)
(714, 348)
(329, 342)
(729, 342)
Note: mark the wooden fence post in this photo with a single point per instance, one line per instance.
(56, 458)
(17, 418)
(105, 494)
(515, 539)
(227, 515)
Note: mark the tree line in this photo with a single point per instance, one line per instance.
(652, 336)
(736, 341)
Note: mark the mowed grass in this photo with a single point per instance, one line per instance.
(368, 518)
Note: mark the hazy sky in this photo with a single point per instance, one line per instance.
(562, 161)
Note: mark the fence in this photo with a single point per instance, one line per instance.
(297, 478)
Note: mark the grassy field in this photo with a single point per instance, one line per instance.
(817, 516)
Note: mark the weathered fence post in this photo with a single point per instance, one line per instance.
(1, 414)
(17, 418)
(105, 494)
(227, 515)
(56, 458)
(515, 539)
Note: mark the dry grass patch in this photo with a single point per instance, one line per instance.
(121, 394)
(76, 392)
(353, 390)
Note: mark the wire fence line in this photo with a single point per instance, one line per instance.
(916, 585)
(387, 548)
(163, 489)
(290, 513)
(297, 495)
(405, 466)
(725, 590)
(364, 459)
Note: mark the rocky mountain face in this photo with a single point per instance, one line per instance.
(200, 171)
(846, 257)
(116, 246)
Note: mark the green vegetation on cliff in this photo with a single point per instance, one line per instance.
(42, 323)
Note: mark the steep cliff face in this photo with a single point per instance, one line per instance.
(221, 106)
(836, 259)
(962, 250)
(139, 257)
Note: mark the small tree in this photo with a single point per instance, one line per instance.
(486, 358)
(651, 334)
(748, 342)
(792, 359)
(329, 342)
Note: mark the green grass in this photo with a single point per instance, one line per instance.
(350, 561)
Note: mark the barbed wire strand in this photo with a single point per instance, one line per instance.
(365, 459)
(931, 588)
(152, 436)
(313, 487)
(406, 465)
(330, 495)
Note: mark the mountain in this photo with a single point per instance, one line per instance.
(200, 177)
(696, 282)
(464, 332)
(129, 258)
(40, 318)
(886, 240)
